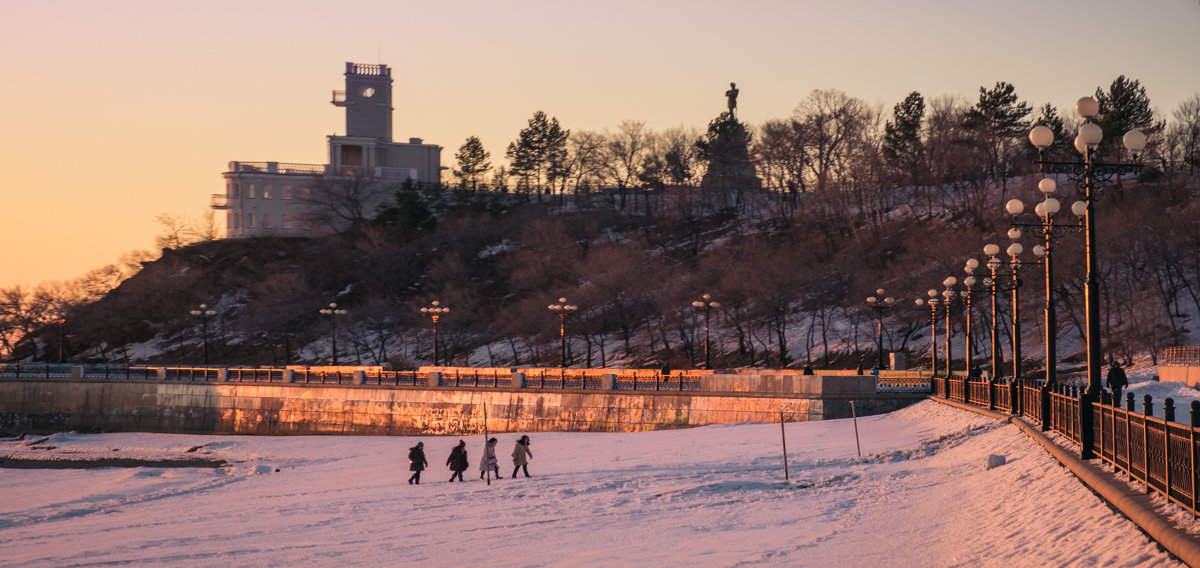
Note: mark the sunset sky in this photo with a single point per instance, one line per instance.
(117, 111)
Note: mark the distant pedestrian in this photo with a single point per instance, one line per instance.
(808, 370)
(521, 455)
(458, 460)
(975, 374)
(416, 462)
(1116, 381)
(488, 461)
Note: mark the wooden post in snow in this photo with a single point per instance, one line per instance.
(854, 416)
(783, 435)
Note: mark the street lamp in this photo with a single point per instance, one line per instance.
(1046, 210)
(879, 304)
(948, 296)
(435, 312)
(333, 311)
(933, 319)
(203, 313)
(1014, 266)
(562, 308)
(967, 292)
(706, 305)
(1087, 175)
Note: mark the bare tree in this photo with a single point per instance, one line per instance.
(340, 202)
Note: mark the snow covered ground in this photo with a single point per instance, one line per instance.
(714, 496)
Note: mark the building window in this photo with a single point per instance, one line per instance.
(305, 193)
(233, 220)
(285, 192)
(287, 221)
(249, 220)
(237, 190)
(266, 217)
(250, 191)
(267, 191)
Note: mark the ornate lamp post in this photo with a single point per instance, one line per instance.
(201, 312)
(933, 319)
(562, 308)
(706, 305)
(1046, 210)
(879, 304)
(967, 293)
(333, 312)
(995, 282)
(1087, 175)
(948, 296)
(435, 312)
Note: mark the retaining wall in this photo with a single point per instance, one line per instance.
(279, 408)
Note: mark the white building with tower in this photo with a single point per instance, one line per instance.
(276, 198)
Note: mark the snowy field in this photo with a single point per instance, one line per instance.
(713, 496)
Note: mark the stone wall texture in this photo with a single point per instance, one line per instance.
(282, 409)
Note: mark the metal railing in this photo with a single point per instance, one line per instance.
(1182, 356)
(1161, 453)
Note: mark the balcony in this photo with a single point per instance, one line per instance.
(219, 201)
(285, 168)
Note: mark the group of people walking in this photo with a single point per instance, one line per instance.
(458, 463)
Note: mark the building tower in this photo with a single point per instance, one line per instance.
(367, 100)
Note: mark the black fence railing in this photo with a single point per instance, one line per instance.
(1161, 453)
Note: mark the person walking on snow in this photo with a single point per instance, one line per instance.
(488, 461)
(458, 460)
(521, 455)
(1116, 381)
(416, 462)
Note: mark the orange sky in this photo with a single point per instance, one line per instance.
(117, 111)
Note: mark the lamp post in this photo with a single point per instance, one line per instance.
(562, 308)
(1087, 175)
(948, 301)
(967, 293)
(333, 312)
(933, 319)
(201, 312)
(996, 284)
(879, 303)
(1046, 210)
(62, 322)
(435, 311)
(706, 305)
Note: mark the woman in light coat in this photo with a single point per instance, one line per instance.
(488, 461)
(521, 455)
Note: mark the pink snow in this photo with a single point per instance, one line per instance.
(920, 495)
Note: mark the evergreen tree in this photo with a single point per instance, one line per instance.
(1063, 142)
(536, 156)
(1124, 107)
(998, 124)
(473, 162)
(726, 148)
(902, 147)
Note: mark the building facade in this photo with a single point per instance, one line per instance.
(290, 199)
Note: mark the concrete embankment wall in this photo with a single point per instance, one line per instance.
(279, 408)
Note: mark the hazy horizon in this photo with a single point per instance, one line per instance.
(120, 111)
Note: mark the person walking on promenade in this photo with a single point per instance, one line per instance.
(1116, 381)
(521, 455)
(458, 460)
(416, 462)
(488, 461)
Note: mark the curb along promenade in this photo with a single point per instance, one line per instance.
(1134, 505)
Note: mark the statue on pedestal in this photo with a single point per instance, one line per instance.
(731, 95)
